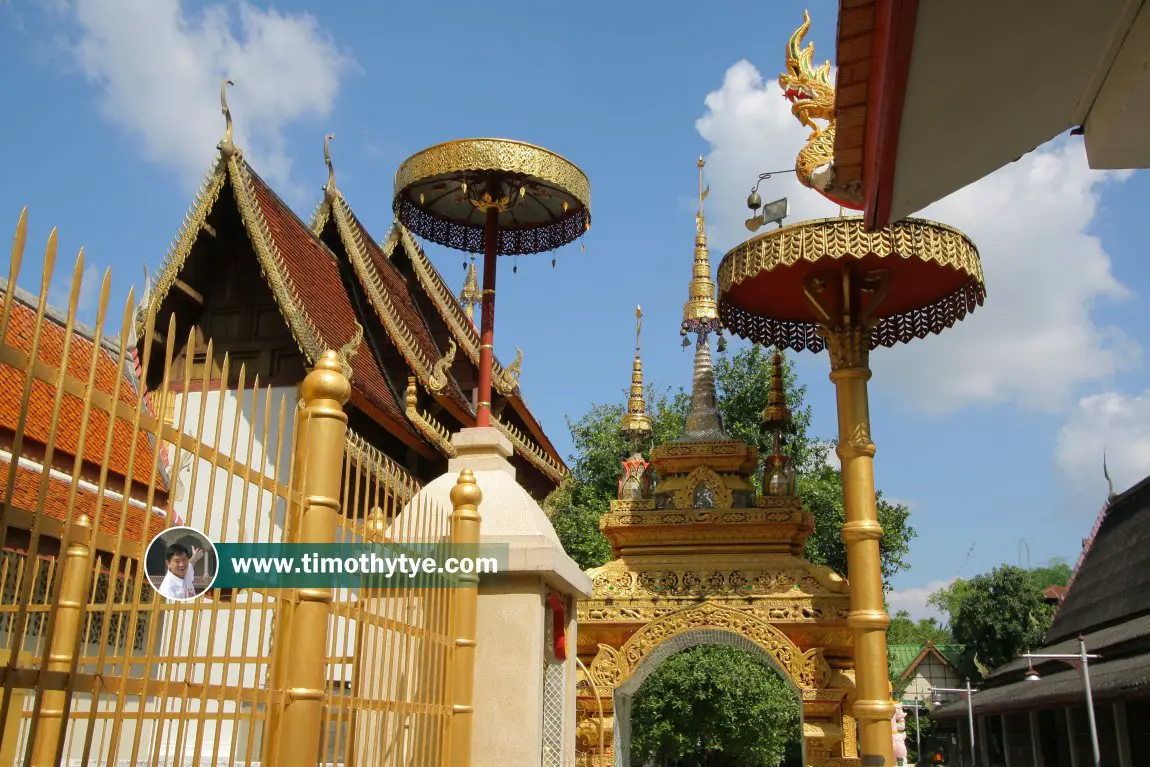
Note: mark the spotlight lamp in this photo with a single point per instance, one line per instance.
(772, 212)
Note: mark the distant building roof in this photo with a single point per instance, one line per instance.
(1112, 583)
(905, 658)
(1054, 593)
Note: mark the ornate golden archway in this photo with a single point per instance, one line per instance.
(701, 556)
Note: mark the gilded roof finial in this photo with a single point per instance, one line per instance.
(329, 190)
(226, 146)
(636, 426)
(471, 295)
(701, 304)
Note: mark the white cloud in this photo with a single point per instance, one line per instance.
(913, 600)
(159, 71)
(1034, 341)
(1111, 421)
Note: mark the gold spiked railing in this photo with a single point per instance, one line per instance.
(97, 667)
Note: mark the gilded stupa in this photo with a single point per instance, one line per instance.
(702, 557)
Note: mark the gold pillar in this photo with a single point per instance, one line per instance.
(62, 644)
(465, 499)
(319, 455)
(850, 371)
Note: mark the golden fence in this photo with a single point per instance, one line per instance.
(98, 667)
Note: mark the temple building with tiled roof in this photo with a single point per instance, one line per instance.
(273, 292)
(1034, 711)
(42, 442)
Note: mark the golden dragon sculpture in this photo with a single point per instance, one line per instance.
(812, 98)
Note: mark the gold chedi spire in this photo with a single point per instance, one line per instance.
(701, 317)
(471, 295)
(636, 426)
(701, 305)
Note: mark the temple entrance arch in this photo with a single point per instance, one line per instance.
(705, 624)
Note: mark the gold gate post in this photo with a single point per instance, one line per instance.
(319, 453)
(850, 371)
(465, 499)
(62, 643)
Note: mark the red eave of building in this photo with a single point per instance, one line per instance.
(886, 29)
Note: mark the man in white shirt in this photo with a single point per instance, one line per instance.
(179, 582)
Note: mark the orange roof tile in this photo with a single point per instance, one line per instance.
(67, 437)
(137, 525)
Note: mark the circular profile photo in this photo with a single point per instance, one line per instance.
(181, 563)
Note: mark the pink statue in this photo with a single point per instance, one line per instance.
(898, 725)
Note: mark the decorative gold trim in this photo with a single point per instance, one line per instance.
(427, 426)
(839, 239)
(335, 207)
(496, 154)
(432, 282)
(185, 239)
(530, 451)
(307, 336)
(703, 475)
(377, 465)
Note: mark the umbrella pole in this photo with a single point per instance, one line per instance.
(487, 320)
(849, 347)
(868, 618)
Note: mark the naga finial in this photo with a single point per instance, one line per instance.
(348, 351)
(1111, 495)
(812, 97)
(227, 146)
(507, 383)
(440, 371)
(330, 188)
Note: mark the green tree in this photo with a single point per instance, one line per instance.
(999, 615)
(904, 630)
(1056, 572)
(742, 383)
(716, 707)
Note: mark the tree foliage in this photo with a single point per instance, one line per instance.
(998, 615)
(742, 382)
(716, 707)
(905, 630)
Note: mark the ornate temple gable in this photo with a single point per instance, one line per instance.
(235, 211)
(533, 449)
(390, 297)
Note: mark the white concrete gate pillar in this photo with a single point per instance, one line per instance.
(524, 681)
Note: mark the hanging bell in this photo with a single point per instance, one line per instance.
(686, 342)
(553, 263)
(722, 343)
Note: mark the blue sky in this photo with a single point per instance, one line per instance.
(992, 432)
